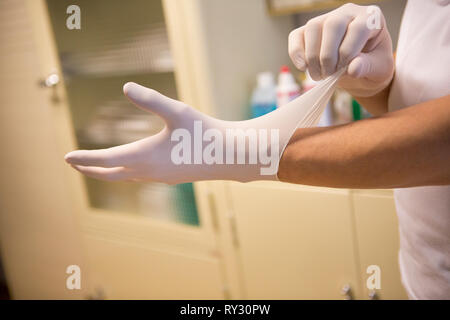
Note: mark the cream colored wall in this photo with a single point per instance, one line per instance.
(241, 40)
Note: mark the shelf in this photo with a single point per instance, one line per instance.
(175, 204)
(287, 7)
(122, 40)
(115, 122)
(145, 51)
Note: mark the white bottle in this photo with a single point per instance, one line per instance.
(287, 88)
(264, 97)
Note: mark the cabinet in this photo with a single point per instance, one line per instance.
(39, 198)
(121, 270)
(51, 217)
(299, 242)
(107, 51)
(294, 242)
(378, 242)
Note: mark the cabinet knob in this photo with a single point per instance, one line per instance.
(50, 81)
(373, 295)
(346, 291)
(99, 294)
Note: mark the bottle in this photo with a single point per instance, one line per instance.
(287, 89)
(358, 111)
(343, 109)
(264, 97)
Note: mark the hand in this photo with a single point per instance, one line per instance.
(351, 36)
(191, 147)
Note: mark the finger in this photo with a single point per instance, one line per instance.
(357, 36)
(334, 28)
(359, 66)
(313, 37)
(153, 101)
(107, 174)
(296, 48)
(112, 157)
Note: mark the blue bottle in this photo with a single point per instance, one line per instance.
(264, 97)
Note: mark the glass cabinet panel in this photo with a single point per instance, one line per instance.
(119, 42)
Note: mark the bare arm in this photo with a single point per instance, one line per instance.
(409, 147)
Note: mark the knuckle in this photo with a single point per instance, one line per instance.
(294, 53)
(292, 49)
(334, 23)
(292, 35)
(313, 23)
(348, 5)
(312, 58)
(294, 45)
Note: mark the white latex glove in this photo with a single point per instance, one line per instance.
(353, 36)
(194, 146)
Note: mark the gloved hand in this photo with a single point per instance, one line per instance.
(353, 36)
(191, 147)
(194, 146)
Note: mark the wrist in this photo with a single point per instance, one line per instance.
(367, 88)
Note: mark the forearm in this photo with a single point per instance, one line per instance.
(406, 148)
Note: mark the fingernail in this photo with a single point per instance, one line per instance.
(127, 86)
(67, 158)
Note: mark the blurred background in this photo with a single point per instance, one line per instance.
(61, 89)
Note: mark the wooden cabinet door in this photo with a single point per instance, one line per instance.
(294, 242)
(38, 228)
(122, 270)
(378, 242)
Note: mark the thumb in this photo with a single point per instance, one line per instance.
(361, 66)
(370, 66)
(153, 101)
